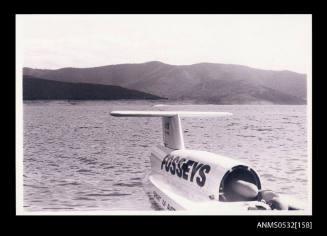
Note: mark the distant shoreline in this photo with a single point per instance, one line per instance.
(154, 101)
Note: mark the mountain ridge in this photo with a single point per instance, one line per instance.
(204, 82)
(159, 62)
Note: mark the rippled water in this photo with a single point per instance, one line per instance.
(78, 157)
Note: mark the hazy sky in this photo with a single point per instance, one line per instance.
(277, 42)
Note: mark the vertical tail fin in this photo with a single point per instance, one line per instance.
(172, 132)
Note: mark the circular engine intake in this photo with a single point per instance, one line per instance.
(240, 183)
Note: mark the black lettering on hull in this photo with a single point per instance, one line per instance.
(186, 169)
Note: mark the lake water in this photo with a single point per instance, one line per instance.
(78, 157)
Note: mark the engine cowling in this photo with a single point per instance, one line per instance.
(201, 175)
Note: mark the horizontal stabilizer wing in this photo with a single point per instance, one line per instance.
(168, 113)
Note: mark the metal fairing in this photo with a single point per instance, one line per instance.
(173, 192)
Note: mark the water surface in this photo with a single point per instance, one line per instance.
(78, 157)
